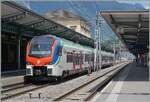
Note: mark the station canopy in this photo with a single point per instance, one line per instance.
(132, 27)
(14, 14)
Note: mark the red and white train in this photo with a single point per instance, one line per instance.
(52, 57)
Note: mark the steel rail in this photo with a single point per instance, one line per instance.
(61, 97)
(103, 84)
(23, 92)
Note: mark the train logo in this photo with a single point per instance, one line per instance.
(38, 61)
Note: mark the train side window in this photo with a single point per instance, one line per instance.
(86, 57)
(81, 58)
(69, 57)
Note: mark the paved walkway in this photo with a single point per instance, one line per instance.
(130, 85)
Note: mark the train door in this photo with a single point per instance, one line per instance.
(74, 62)
(93, 62)
(81, 61)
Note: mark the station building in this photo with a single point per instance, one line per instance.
(68, 19)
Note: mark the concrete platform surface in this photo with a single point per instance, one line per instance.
(130, 85)
(11, 80)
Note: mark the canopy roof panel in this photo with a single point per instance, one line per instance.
(132, 27)
(16, 14)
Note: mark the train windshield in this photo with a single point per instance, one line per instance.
(41, 47)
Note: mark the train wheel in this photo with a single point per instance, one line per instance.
(60, 78)
(64, 74)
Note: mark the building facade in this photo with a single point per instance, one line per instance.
(70, 20)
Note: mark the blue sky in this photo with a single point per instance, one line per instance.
(42, 6)
(144, 3)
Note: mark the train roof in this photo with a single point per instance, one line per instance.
(107, 53)
(69, 43)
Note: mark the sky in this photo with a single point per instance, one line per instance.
(144, 3)
(37, 5)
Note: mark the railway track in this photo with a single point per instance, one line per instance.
(13, 87)
(13, 91)
(83, 93)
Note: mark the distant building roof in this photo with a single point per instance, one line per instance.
(62, 14)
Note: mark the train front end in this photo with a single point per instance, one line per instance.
(41, 57)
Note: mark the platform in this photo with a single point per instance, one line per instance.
(5, 81)
(130, 85)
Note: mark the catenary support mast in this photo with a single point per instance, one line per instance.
(97, 43)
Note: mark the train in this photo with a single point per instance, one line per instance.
(50, 57)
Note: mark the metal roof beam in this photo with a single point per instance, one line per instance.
(113, 20)
(37, 24)
(51, 29)
(144, 40)
(134, 36)
(135, 33)
(140, 38)
(73, 36)
(34, 22)
(130, 24)
(13, 17)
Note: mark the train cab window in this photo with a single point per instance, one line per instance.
(41, 47)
